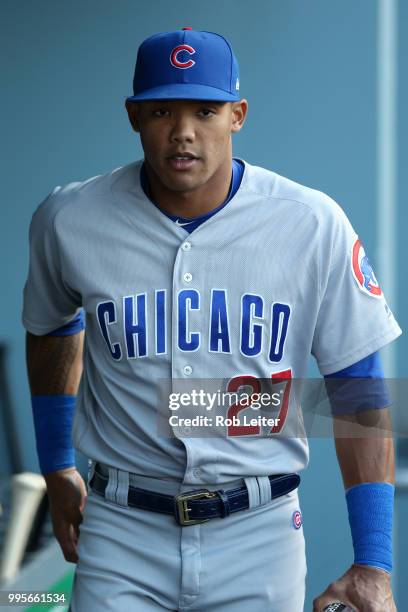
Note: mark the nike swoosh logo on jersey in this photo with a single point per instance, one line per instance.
(181, 223)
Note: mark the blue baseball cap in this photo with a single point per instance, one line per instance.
(186, 65)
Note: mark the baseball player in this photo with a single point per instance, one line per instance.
(194, 265)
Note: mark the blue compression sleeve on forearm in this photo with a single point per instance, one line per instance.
(370, 507)
(53, 416)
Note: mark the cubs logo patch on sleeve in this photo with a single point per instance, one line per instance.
(363, 272)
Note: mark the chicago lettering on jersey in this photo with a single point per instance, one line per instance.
(262, 326)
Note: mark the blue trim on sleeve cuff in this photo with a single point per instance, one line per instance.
(369, 367)
(73, 327)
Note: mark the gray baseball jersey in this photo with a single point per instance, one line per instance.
(277, 274)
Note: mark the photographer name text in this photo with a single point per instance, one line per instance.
(222, 421)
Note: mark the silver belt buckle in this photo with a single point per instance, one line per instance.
(182, 509)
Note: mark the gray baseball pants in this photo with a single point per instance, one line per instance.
(133, 559)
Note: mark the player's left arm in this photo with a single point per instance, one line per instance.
(354, 317)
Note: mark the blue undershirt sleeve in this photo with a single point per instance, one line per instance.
(73, 327)
(358, 387)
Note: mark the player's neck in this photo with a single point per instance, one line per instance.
(194, 202)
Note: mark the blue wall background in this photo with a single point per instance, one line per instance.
(308, 70)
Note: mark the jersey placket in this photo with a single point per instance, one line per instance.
(182, 367)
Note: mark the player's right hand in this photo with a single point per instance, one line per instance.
(67, 495)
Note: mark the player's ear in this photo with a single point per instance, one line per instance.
(238, 115)
(133, 113)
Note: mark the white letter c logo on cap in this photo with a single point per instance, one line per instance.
(182, 65)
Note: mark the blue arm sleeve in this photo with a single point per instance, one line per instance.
(53, 416)
(370, 509)
(358, 387)
(73, 327)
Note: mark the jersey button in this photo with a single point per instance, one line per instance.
(186, 246)
(188, 277)
(187, 370)
(196, 472)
